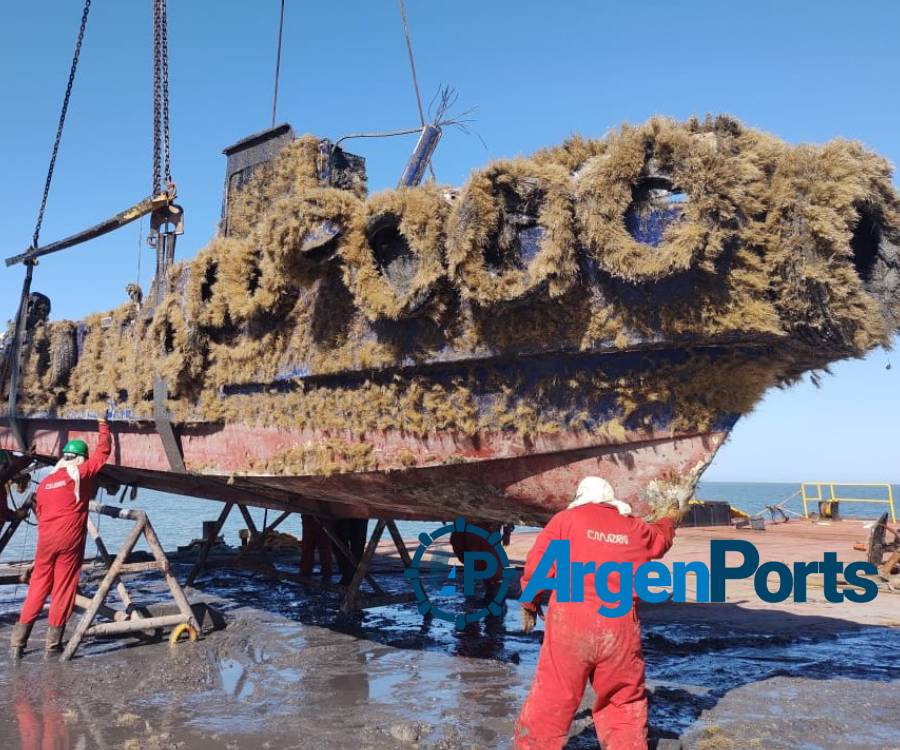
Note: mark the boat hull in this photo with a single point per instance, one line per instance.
(488, 476)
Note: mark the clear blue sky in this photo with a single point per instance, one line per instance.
(536, 71)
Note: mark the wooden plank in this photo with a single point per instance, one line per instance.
(344, 550)
(399, 543)
(102, 591)
(208, 544)
(108, 560)
(362, 568)
(131, 626)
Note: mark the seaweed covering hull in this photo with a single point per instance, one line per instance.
(495, 440)
(608, 306)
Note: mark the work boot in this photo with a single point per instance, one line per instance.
(55, 638)
(19, 638)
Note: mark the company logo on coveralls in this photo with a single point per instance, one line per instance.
(439, 569)
(618, 583)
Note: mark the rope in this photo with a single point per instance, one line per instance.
(412, 66)
(62, 123)
(277, 64)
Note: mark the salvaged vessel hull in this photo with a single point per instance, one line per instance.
(652, 457)
(495, 479)
(605, 307)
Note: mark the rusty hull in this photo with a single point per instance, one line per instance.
(491, 476)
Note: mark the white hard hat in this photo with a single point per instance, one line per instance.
(598, 490)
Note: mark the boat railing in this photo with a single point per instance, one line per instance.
(830, 492)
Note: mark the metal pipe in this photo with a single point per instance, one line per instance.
(421, 156)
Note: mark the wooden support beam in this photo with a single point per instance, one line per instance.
(139, 567)
(276, 523)
(117, 567)
(131, 626)
(362, 568)
(248, 519)
(107, 561)
(345, 551)
(102, 591)
(117, 615)
(399, 543)
(208, 544)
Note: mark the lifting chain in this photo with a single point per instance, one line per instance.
(161, 170)
(14, 354)
(62, 123)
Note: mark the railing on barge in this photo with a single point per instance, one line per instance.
(808, 488)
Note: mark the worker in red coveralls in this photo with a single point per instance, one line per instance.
(62, 511)
(314, 539)
(582, 645)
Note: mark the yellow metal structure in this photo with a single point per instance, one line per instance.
(815, 492)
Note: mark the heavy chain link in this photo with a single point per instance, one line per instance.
(62, 122)
(161, 169)
(164, 22)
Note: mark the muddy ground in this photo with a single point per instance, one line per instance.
(287, 672)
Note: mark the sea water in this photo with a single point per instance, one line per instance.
(178, 520)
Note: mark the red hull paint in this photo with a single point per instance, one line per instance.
(493, 476)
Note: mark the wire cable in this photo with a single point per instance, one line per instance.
(412, 66)
(277, 64)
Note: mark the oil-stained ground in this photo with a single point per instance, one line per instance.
(288, 672)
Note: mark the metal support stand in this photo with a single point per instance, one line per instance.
(125, 621)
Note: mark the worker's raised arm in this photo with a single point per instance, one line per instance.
(100, 455)
(658, 536)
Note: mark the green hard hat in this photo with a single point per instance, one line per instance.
(78, 447)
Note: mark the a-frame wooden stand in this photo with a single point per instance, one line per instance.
(362, 569)
(351, 599)
(128, 620)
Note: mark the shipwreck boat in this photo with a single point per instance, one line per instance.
(609, 307)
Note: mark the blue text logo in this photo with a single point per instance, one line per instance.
(617, 584)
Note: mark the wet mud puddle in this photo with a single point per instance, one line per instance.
(287, 672)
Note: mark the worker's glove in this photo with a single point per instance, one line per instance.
(529, 614)
(676, 513)
(21, 514)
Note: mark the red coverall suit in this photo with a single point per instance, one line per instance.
(580, 644)
(62, 530)
(314, 538)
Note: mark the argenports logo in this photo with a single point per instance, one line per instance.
(477, 566)
(617, 584)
